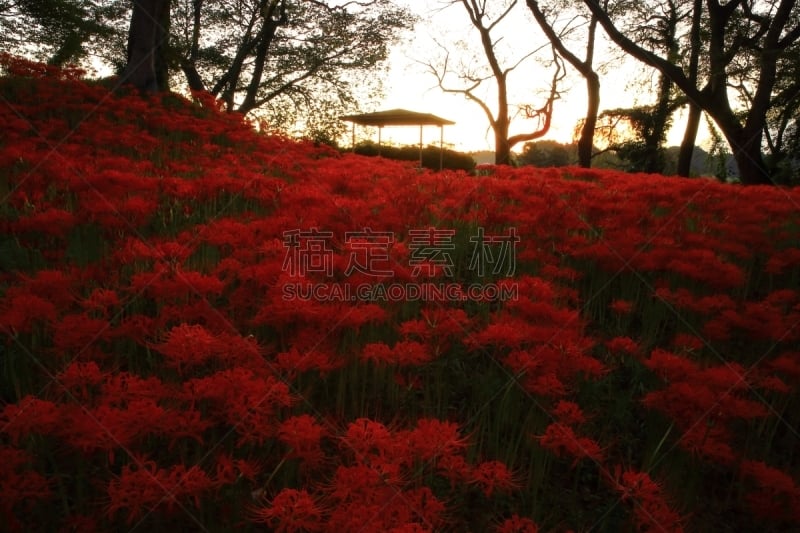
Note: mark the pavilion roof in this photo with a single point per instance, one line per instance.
(397, 117)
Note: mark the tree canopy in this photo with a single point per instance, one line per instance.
(747, 46)
(290, 61)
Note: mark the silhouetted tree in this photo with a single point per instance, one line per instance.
(499, 119)
(148, 38)
(584, 66)
(762, 31)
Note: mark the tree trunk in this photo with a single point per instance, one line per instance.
(502, 149)
(749, 158)
(147, 43)
(689, 138)
(586, 141)
(695, 112)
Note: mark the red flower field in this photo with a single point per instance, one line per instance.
(206, 328)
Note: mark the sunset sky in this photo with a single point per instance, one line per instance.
(410, 85)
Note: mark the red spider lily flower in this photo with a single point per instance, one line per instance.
(410, 528)
(773, 383)
(19, 486)
(229, 470)
(622, 345)
(360, 484)
(377, 352)
(708, 439)
(541, 312)
(508, 332)
(19, 313)
(781, 260)
(143, 489)
(650, 509)
(291, 511)
(621, 307)
(670, 366)
(162, 284)
(187, 346)
(119, 388)
(52, 221)
(445, 322)
(777, 496)
(181, 423)
(356, 316)
(730, 377)
(516, 524)
(547, 384)
(426, 506)
(359, 516)
(107, 428)
(79, 377)
(29, 416)
(366, 438)
(55, 286)
(303, 435)
(788, 363)
(297, 361)
(706, 267)
(688, 342)
(79, 333)
(432, 438)
(455, 468)
(235, 350)
(415, 328)
(569, 413)
(403, 353)
(493, 475)
(562, 441)
(242, 400)
(101, 300)
(136, 327)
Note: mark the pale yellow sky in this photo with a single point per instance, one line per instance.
(410, 86)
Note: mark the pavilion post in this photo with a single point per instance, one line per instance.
(353, 141)
(441, 147)
(380, 141)
(420, 146)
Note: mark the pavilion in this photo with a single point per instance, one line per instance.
(401, 117)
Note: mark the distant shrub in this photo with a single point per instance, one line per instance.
(431, 155)
(547, 154)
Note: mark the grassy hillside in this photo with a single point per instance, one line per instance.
(205, 328)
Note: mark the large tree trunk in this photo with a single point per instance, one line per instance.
(502, 148)
(586, 141)
(147, 43)
(689, 138)
(695, 112)
(749, 157)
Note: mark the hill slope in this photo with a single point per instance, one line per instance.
(204, 326)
